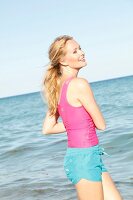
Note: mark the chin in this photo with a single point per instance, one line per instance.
(84, 64)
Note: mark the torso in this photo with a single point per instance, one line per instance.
(79, 125)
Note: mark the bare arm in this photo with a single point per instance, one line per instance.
(51, 125)
(86, 97)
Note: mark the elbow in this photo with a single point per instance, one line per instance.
(45, 132)
(103, 127)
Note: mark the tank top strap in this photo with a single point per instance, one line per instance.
(64, 90)
(66, 83)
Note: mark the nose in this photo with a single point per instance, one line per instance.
(81, 52)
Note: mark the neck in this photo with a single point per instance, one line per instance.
(69, 73)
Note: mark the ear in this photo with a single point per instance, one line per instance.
(62, 62)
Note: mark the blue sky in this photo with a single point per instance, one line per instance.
(104, 29)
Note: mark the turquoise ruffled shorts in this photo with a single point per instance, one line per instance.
(84, 163)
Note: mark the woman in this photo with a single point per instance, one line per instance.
(71, 98)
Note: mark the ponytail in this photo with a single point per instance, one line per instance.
(51, 88)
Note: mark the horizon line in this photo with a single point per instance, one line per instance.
(29, 93)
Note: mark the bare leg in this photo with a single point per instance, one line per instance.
(89, 190)
(109, 188)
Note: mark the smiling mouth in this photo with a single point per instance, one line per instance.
(82, 60)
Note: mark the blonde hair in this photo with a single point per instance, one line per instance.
(51, 80)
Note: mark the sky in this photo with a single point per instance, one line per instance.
(104, 30)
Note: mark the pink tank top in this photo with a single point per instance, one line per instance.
(80, 128)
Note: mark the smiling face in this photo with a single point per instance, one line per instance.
(74, 57)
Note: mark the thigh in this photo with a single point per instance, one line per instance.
(89, 190)
(109, 188)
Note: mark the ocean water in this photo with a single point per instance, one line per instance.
(31, 164)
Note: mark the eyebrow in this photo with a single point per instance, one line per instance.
(77, 47)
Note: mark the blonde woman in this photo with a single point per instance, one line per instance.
(71, 98)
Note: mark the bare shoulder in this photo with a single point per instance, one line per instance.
(82, 87)
(80, 80)
(80, 83)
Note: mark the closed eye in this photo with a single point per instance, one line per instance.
(75, 50)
